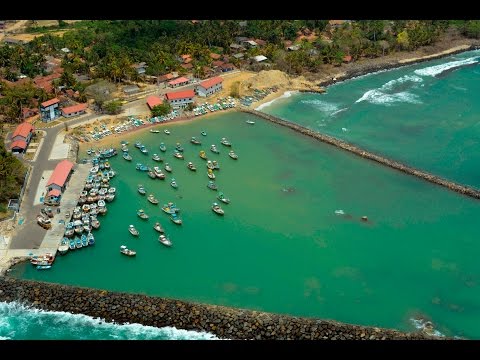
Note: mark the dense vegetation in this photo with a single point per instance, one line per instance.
(12, 173)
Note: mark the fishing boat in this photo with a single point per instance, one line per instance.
(223, 199)
(69, 230)
(48, 212)
(156, 157)
(141, 167)
(111, 174)
(141, 214)
(215, 164)
(178, 155)
(138, 144)
(225, 142)
(144, 150)
(43, 259)
(127, 156)
(163, 148)
(166, 132)
(203, 155)
(158, 173)
(90, 239)
(152, 199)
(154, 131)
(179, 147)
(173, 183)
(44, 222)
(43, 267)
(158, 227)
(164, 240)
(84, 240)
(124, 148)
(232, 154)
(170, 208)
(141, 190)
(251, 122)
(214, 149)
(133, 231)
(176, 219)
(71, 245)
(78, 243)
(210, 174)
(191, 166)
(109, 197)
(194, 141)
(168, 167)
(94, 223)
(63, 247)
(204, 133)
(112, 190)
(152, 174)
(210, 165)
(217, 209)
(123, 142)
(106, 165)
(125, 251)
(108, 153)
(94, 170)
(212, 185)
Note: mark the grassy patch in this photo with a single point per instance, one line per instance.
(29, 156)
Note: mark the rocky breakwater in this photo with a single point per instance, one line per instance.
(222, 321)
(464, 190)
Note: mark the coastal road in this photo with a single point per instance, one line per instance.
(29, 235)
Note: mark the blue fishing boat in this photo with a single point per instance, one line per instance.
(144, 150)
(78, 243)
(170, 208)
(43, 267)
(176, 219)
(90, 239)
(71, 246)
(108, 153)
(141, 167)
(84, 240)
(212, 185)
(127, 156)
(138, 144)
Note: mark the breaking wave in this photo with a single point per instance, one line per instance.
(285, 95)
(438, 69)
(325, 107)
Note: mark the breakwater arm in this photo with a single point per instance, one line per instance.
(462, 189)
(224, 322)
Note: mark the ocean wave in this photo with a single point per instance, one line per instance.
(325, 107)
(378, 97)
(438, 69)
(422, 324)
(285, 95)
(407, 78)
(23, 322)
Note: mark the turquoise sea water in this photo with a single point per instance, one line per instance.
(280, 246)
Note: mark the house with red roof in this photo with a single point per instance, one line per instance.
(180, 99)
(60, 177)
(153, 101)
(210, 86)
(74, 110)
(21, 137)
(49, 110)
(181, 81)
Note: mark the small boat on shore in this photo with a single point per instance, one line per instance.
(158, 227)
(191, 166)
(223, 199)
(163, 147)
(125, 251)
(159, 173)
(132, 230)
(154, 131)
(178, 155)
(166, 132)
(152, 199)
(156, 157)
(214, 149)
(210, 174)
(194, 141)
(176, 219)
(204, 133)
(173, 183)
(44, 222)
(164, 240)
(127, 156)
(64, 246)
(203, 155)
(168, 167)
(251, 122)
(225, 142)
(232, 154)
(141, 190)
(217, 209)
(211, 185)
(141, 214)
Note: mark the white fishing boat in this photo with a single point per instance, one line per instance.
(133, 231)
(158, 227)
(166, 131)
(164, 240)
(125, 251)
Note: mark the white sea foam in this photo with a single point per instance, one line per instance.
(407, 78)
(20, 321)
(325, 107)
(420, 324)
(438, 69)
(4, 338)
(338, 111)
(339, 212)
(285, 95)
(376, 96)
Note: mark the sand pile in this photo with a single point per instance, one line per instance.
(267, 78)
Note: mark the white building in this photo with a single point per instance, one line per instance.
(180, 99)
(210, 86)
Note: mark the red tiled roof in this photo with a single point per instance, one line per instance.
(186, 66)
(60, 174)
(74, 108)
(26, 112)
(23, 130)
(18, 144)
(187, 60)
(54, 192)
(227, 66)
(179, 81)
(185, 56)
(166, 77)
(215, 56)
(153, 101)
(210, 82)
(260, 42)
(347, 58)
(50, 102)
(180, 94)
(218, 63)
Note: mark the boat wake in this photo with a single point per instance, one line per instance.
(18, 321)
(438, 69)
(388, 93)
(285, 95)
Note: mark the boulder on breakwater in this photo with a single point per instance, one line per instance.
(222, 321)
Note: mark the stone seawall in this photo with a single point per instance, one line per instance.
(464, 190)
(222, 321)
